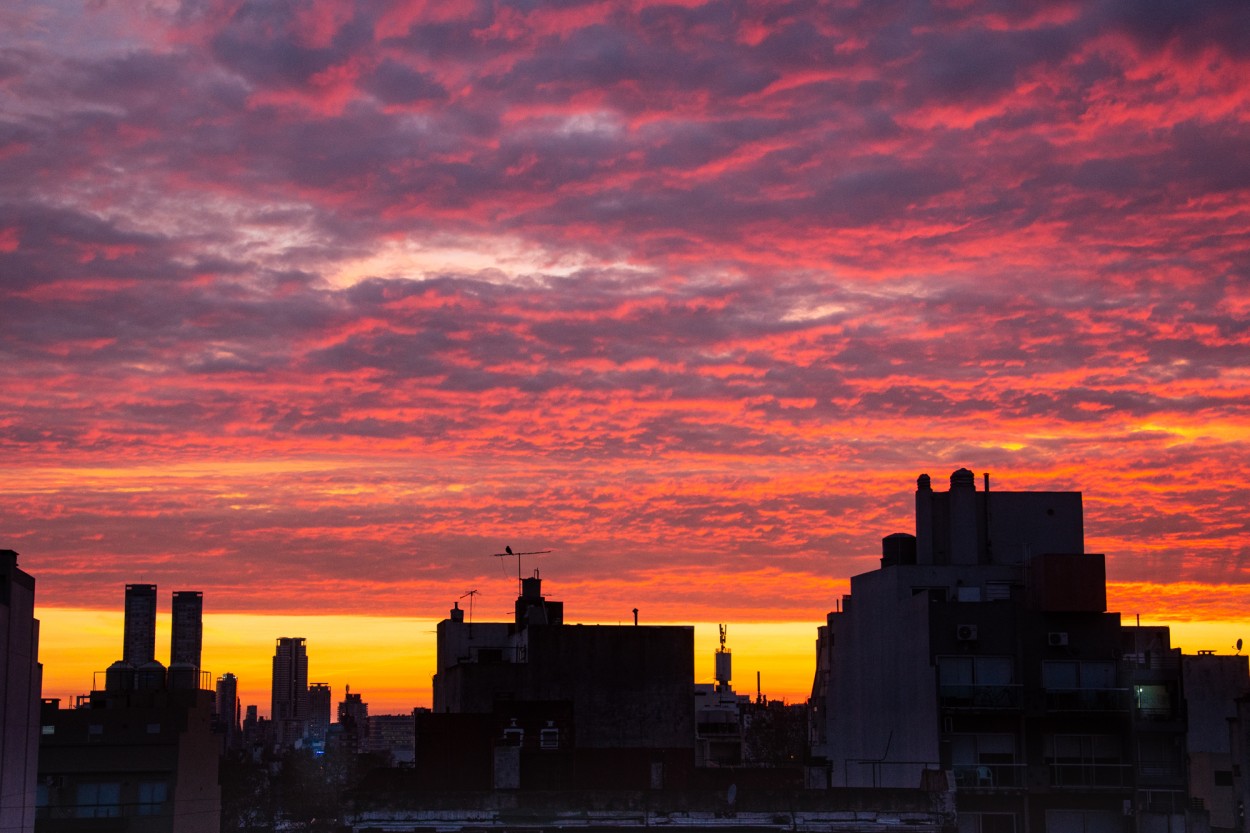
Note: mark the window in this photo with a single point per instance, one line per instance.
(1078, 675)
(1085, 760)
(98, 800)
(1153, 701)
(986, 823)
(152, 796)
(1083, 821)
(974, 670)
(984, 760)
(1158, 756)
(967, 682)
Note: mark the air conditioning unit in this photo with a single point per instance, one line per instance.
(1057, 639)
(966, 633)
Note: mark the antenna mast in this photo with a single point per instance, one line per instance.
(470, 594)
(508, 552)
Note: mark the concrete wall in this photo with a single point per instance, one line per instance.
(882, 705)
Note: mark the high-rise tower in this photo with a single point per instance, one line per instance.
(319, 703)
(227, 708)
(140, 634)
(290, 689)
(187, 633)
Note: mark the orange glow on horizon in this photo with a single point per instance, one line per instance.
(391, 660)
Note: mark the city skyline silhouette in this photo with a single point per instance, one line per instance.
(313, 307)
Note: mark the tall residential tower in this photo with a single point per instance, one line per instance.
(290, 689)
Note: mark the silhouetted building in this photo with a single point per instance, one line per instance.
(289, 704)
(1150, 669)
(353, 721)
(139, 645)
(138, 761)
(21, 677)
(255, 731)
(186, 639)
(141, 755)
(982, 648)
(1213, 686)
(719, 716)
(319, 711)
(226, 710)
(546, 705)
(393, 735)
(187, 629)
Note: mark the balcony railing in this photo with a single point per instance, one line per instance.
(980, 696)
(989, 776)
(1089, 774)
(1087, 699)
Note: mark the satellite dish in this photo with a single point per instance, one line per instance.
(1239, 646)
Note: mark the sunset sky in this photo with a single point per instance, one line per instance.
(316, 306)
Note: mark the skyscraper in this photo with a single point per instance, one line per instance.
(290, 689)
(20, 678)
(319, 709)
(187, 633)
(227, 708)
(140, 632)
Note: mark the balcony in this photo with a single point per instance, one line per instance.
(988, 697)
(1087, 774)
(989, 776)
(1087, 699)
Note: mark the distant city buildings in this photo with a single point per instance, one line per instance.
(21, 677)
(975, 682)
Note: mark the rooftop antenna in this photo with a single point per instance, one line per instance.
(724, 660)
(470, 594)
(507, 552)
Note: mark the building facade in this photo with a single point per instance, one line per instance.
(547, 705)
(1214, 685)
(21, 677)
(982, 651)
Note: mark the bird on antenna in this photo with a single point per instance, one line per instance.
(507, 551)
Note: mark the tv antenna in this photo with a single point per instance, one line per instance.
(507, 552)
(470, 594)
